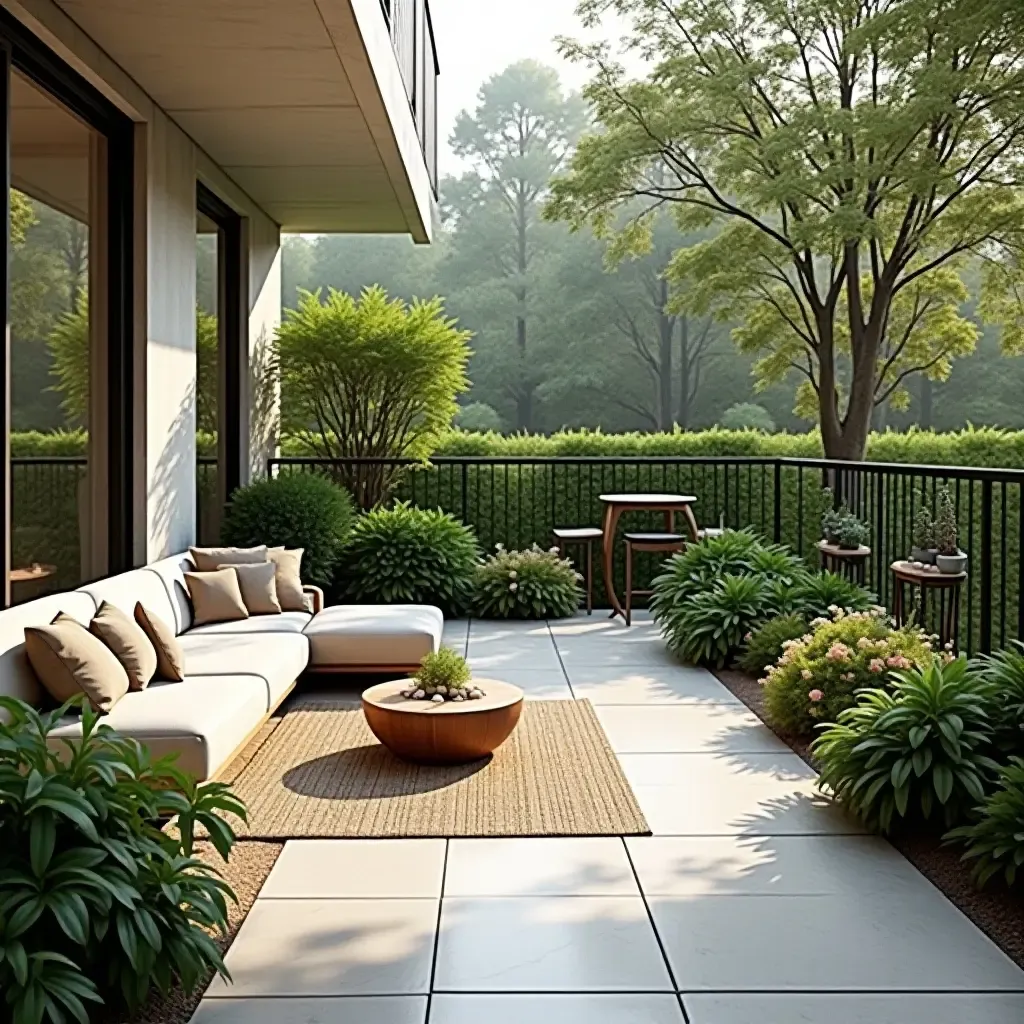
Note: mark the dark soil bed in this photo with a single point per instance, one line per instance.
(997, 911)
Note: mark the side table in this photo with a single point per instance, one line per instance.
(851, 562)
(948, 586)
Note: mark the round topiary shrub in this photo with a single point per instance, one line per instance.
(530, 584)
(819, 674)
(406, 555)
(764, 644)
(297, 510)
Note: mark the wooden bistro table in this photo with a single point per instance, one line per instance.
(851, 561)
(616, 504)
(948, 585)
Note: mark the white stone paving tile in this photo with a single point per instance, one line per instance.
(648, 686)
(364, 1009)
(609, 1008)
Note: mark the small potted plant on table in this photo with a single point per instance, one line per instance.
(922, 548)
(950, 559)
(851, 533)
(443, 675)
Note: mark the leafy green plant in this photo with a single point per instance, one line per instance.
(764, 644)
(917, 750)
(97, 904)
(411, 555)
(530, 584)
(850, 532)
(816, 677)
(376, 377)
(297, 510)
(713, 624)
(1004, 671)
(443, 667)
(995, 842)
(815, 594)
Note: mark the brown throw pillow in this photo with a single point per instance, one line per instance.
(128, 642)
(70, 661)
(289, 582)
(216, 596)
(207, 559)
(259, 590)
(170, 658)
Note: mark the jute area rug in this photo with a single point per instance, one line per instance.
(322, 774)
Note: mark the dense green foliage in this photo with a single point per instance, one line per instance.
(530, 584)
(293, 510)
(995, 841)
(443, 667)
(817, 676)
(764, 645)
(747, 416)
(1004, 671)
(369, 377)
(413, 556)
(97, 903)
(915, 751)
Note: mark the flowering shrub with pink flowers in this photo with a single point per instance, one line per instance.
(820, 672)
(529, 584)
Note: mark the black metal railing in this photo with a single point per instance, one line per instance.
(518, 501)
(412, 36)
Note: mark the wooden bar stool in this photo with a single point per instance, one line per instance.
(581, 537)
(667, 542)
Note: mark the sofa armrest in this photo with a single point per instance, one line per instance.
(316, 594)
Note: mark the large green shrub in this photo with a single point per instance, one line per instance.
(530, 584)
(995, 842)
(916, 751)
(411, 555)
(296, 510)
(817, 676)
(97, 904)
(373, 377)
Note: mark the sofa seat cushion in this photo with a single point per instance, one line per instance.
(285, 622)
(276, 658)
(203, 720)
(374, 635)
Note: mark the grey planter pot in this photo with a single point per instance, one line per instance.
(926, 555)
(951, 563)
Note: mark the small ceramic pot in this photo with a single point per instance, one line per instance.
(951, 563)
(925, 555)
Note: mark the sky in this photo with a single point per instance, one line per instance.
(479, 38)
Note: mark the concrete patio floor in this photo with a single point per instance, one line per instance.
(754, 902)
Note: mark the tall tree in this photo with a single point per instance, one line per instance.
(852, 154)
(520, 134)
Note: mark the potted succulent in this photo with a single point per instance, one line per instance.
(850, 532)
(443, 675)
(922, 548)
(950, 559)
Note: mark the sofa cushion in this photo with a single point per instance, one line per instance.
(70, 661)
(207, 559)
(276, 658)
(288, 564)
(129, 643)
(286, 622)
(172, 571)
(202, 720)
(125, 590)
(16, 676)
(258, 585)
(170, 662)
(376, 635)
(216, 596)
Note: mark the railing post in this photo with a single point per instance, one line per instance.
(985, 624)
(777, 518)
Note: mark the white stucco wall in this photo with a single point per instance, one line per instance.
(167, 166)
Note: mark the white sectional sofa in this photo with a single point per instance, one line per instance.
(236, 673)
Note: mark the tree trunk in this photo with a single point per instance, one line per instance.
(666, 328)
(524, 400)
(926, 394)
(683, 415)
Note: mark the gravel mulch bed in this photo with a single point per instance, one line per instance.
(997, 911)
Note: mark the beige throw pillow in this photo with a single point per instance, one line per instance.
(258, 587)
(289, 582)
(216, 596)
(170, 658)
(70, 661)
(207, 559)
(128, 642)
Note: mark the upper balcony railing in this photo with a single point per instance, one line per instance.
(412, 35)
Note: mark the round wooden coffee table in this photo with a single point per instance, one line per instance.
(454, 732)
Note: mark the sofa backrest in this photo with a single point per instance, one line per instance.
(172, 571)
(16, 676)
(126, 589)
